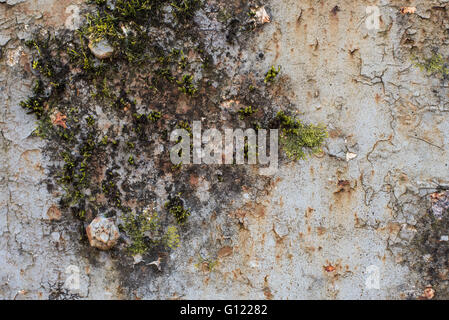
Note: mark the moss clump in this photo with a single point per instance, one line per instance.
(175, 206)
(145, 230)
(34, 105)
(90, 120)
(41, 64)
(102, 26)
(131, 160)
(185, 125)
(185, 9)
(298, 139)
(206, 264)
(246, 112)
(154, 116)
(433, 65)
(271, 75)
(186, 85)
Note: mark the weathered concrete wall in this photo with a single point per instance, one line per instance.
(321, 226)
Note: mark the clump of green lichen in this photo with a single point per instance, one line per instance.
(271, 75)
(436, 64)
(175, 206)
(298, 139)
(145, 230)
(142, 229)
(206, 264)
(171, 237)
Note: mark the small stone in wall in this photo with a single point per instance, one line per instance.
(102, 233)
(4, 39)
(101, 49)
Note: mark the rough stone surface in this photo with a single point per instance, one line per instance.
(4, 40)
(324, 228)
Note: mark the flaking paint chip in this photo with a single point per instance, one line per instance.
(262, 15)
(157, 263)
(350, 156)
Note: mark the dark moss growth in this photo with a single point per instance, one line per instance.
(246, 112)
(131, 160)
(154, 116)
(175, 206)
(185, 125)
(185, 9)
(34, 105)
(186, 85)
(90, 120)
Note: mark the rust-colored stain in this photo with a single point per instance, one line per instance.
(276, 43)
(329, 268)
(252, 209)
(267, 293)
(193, 180)
(225, 251)
(335, 133)
(267, 290)
(31, 158)
(428, 294)
(183, 106)
(309, 212)
(377, 98)
(54, 213)
(320, 231)
(343, 186)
